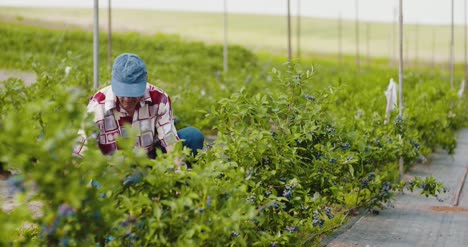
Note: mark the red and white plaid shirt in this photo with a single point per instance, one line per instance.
(152, 119)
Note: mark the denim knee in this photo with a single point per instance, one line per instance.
(192, 138)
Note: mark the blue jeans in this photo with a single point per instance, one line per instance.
(191, 138)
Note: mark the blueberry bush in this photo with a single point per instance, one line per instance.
(297, 148)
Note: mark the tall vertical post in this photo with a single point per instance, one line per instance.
(340, 39)
(225, 52)
(298, 28)
(452, 37)
(96, 45)
(109, 36)
(465, 45)
(433, 48)
(289, 31)
(400, 80)
(395, 35)
(358, 60)
(416, 44)
(368, 31)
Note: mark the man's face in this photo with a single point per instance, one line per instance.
(129, 103)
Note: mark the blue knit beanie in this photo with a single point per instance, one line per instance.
(129, 76)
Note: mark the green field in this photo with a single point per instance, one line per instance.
(299, 146)
(423, 44)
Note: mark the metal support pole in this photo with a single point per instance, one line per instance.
(466, 52)
(225, 61)
(451, 47)
(368, 31)
(96, 44)
(298, 28)
(358, 61)
(433, 48)
(400, 81)
(340, 39)
(395, 34)
(289, 31)
(109, 37)
(416, 48)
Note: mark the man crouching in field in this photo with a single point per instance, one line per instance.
(131, 100)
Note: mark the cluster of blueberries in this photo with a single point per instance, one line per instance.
(365, 182)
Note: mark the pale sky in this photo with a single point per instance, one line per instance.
(415, 11)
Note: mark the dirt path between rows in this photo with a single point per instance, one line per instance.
(416, 220)
(7, 200)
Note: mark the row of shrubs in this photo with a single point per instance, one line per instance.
(294, 153)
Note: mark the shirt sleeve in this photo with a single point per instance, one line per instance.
(165, 128)
(80, 145)
(82, 140)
